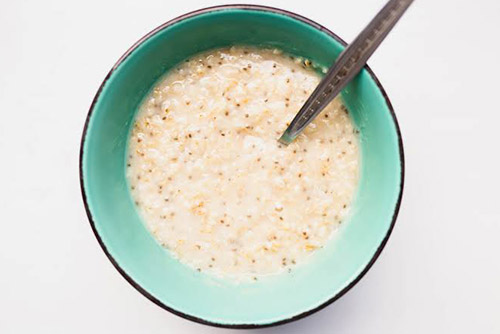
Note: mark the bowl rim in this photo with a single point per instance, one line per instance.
(139, 288)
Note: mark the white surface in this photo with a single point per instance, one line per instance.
(440, 271)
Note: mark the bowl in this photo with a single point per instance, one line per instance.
(149, 267)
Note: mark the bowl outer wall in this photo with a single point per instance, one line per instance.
(140, 259)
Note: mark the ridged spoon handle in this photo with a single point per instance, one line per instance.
(348, 64)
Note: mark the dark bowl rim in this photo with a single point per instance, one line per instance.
(140, 288)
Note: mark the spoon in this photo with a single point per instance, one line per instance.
(347, 65)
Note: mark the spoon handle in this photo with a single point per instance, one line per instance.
(347, 65)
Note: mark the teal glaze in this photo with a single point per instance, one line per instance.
(149, 267)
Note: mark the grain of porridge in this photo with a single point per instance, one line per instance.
(210, 179)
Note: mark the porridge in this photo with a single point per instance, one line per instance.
(210, 179)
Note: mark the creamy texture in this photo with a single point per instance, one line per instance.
(210, 179)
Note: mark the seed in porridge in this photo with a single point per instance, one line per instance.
(229, 206)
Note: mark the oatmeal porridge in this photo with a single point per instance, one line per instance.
(211, 181)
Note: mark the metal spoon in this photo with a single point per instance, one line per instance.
(348, 64)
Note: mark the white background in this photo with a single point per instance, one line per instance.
(440, 271)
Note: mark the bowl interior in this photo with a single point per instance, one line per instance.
(150, 267)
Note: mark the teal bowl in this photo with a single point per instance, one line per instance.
(149, 267)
